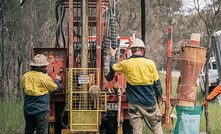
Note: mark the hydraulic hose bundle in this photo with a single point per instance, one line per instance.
(106, 48)
(110, 39)
(59, 13)
(113, 32)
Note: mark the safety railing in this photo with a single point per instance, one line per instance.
(84, 100)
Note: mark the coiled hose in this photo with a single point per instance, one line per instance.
(114, 41)
(106, 49)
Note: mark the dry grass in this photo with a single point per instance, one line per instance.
(12, 121)
(11, 115)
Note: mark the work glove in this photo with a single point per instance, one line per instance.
(58, 78)
(58, 82)
(205, 103)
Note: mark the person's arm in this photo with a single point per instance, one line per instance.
(50, 84)
(114, 67)
(110, 75)
(158, 88)
(157, 82)
(213, 94)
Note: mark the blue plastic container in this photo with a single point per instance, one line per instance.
(188, 119)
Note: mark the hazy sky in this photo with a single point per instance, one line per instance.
(189, 4)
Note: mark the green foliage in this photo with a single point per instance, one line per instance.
(174, 81)
(214, 116)
(12, 119)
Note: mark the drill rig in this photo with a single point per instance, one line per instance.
(86, 101)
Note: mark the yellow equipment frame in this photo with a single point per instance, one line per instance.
(84, 110)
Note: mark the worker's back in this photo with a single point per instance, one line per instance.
(140, 71)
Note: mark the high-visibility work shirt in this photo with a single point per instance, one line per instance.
(37, 83)
(36, 86)
(142, 79)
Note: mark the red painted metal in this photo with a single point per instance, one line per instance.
(170, 42)
(70, 34)
(114, 98)
(168, 74)
(65, 58)
(123, 56)
(98, 34)
(57, 58)
(195, 43)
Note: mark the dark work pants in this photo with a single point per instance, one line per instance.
(38, 122)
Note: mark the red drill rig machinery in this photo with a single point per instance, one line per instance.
(86, 101)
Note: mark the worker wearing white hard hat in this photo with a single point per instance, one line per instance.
(143, 87)
(137, 43)
(37, 85)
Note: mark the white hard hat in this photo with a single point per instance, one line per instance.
(137, 43)
(39, 60)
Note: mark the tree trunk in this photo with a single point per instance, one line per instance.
(2, 56)
(19, 92)
(208, 126)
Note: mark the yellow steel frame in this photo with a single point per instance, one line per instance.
(83, 110)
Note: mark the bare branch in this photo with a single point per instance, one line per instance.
(218, 9)
(197, 6)
(2, 4)
(22, 2)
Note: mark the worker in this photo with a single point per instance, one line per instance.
(143, 87)
(216, 91)
(37, 85)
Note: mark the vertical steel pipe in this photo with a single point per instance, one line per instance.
(168, 74)
(98, 34)
(84, 48)
(70, 34)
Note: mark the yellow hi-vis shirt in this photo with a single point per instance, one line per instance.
(37, 83)
(138, 71)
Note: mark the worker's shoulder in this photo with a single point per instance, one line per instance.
(150, 61)
(35, 74)
(145, 59)
(28, 74)
(141, 59)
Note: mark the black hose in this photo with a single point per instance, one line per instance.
(59, 13)
(62, 31)
(57, 5)
(106, 49)
(113, 32)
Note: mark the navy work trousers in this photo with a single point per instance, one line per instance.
(38, 122)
